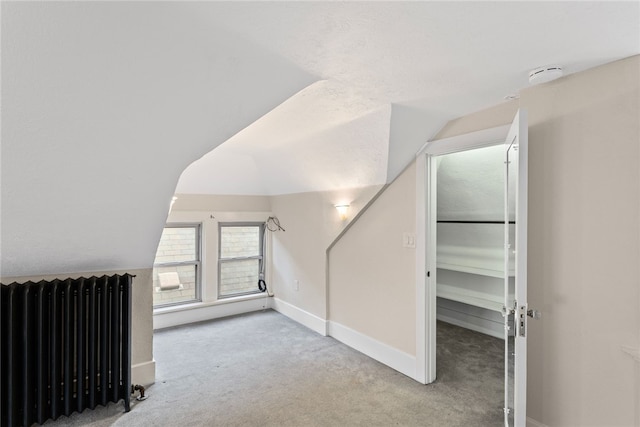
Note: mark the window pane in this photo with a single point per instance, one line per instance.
(239, 277)
(174, 284)
(177, 244)
(238, 242)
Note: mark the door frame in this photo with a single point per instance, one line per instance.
(426, 196)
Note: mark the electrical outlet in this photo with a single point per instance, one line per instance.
(296, 285)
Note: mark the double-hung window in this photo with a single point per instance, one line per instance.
(240, 258)
(176, 270)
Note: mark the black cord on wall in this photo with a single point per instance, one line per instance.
(272, 224)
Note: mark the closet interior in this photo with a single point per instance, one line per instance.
(470, 253)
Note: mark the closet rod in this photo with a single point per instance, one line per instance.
(473, 222)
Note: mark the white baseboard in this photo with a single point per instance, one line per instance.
(533, 423)
(383, 353)
(303, 317)
(144, 373)
(199, 313)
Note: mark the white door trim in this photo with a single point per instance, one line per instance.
(425, 247)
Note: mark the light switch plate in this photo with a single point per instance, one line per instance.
(408, 240)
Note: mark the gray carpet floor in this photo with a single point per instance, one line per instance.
(263, 369)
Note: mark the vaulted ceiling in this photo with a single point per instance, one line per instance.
(389, 75)
(106, 104)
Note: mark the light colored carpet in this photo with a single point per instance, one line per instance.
(263, 369)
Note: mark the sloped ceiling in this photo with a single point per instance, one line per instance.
(322, 138)
(428, 62)
(105, 104)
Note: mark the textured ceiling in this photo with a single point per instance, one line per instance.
(106, 104)
(324, 137)
(428, 61)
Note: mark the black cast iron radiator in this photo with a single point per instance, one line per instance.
(66, 346)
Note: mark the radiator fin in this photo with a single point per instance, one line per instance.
(66, 346)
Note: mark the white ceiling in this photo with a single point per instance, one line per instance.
(104, 104)
(324, 137)
(429, 61)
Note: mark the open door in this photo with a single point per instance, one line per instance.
(515, 310)
(514, 259)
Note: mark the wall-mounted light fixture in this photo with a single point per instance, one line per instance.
(342, 211)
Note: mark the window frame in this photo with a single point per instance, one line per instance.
(260, 257)
(197, 263)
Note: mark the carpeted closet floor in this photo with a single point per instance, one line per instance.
(263, 369)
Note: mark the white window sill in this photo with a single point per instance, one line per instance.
(201, 304)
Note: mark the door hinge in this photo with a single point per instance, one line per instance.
(508, 311)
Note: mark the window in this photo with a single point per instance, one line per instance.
(240, 258)
(176, 270)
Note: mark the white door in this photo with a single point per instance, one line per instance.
(515, 284)
(515, 288)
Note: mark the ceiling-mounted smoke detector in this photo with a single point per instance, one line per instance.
(544, 74)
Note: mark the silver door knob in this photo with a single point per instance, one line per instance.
(534, 314)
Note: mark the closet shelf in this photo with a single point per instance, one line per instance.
(485, 261)
(479, 299)
(472, 269)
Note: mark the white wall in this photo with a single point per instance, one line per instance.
(311, 223)
(372, 284)
(584, 243)
(584, 238)
(221, 203)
